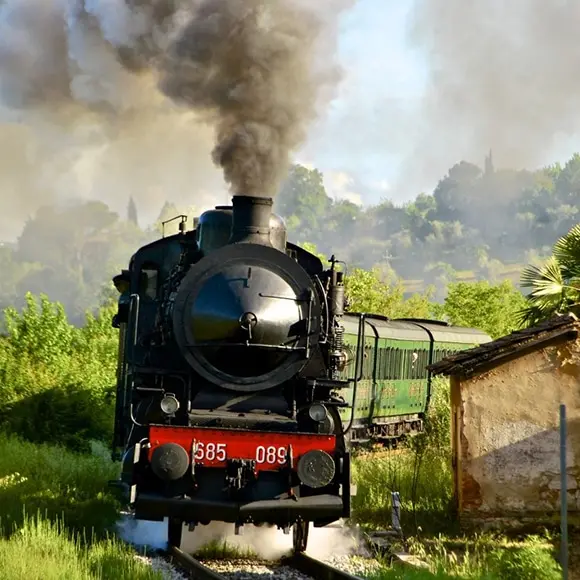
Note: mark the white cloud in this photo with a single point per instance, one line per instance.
(339, 185)
(383, 185)
(305, 163)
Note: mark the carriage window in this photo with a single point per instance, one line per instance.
(388, 363)
(149, 281)
(383, 369)
(369, 355)
(398, 364)
(424, 361)
(414, 358)
(408, 364)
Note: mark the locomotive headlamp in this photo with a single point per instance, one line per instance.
(316, 468)
(169, 404)
(317, 412)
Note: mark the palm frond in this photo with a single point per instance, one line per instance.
(567, 251)
(548, 292)
(547, 280)
(529, 316)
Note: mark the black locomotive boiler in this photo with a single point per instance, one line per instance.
(231, 367)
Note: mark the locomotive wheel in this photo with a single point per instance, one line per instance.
(174, 532)
(300, 536)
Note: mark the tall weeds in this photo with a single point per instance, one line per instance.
(420, 470)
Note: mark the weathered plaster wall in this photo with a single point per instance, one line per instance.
(508, 462)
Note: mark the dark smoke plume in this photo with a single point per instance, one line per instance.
(249, 68)
(247, 63)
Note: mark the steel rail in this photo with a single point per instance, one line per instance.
(316, 568)
(197, 569)
(301, 562)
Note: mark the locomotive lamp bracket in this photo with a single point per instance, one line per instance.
(288, 466)
(182, 224)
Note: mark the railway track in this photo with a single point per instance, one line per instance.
(305, 566)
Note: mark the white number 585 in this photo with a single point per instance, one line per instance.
(211, 451)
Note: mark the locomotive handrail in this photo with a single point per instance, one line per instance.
(293, 299)
(309, 324)
(325, 313)
(131, 338)
(358, 372)
(134, 305)
(246, 344)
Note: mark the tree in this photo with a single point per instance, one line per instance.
(304, 203)
(556, 284)
(489, 169)
(368, 292)
(379, 292)
(132, 212)
(492, 308)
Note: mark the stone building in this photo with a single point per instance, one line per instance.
(505, 402)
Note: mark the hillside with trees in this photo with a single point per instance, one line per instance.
(480, 223)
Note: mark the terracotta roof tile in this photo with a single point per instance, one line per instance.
(468, 361)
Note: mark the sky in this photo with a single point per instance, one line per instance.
(368, 143)
(348, 144)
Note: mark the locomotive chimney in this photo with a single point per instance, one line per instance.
(251, 220)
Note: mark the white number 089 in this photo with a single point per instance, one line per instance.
(270, 454)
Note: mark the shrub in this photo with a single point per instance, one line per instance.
(55, 377)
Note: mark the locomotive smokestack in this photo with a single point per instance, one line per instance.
(251, 220)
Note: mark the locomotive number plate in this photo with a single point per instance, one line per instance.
(218, 452)
(213, 447)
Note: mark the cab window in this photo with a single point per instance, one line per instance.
(149, 281)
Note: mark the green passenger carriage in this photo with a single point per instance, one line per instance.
(394, 386)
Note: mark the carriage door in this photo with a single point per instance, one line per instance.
(372, 349)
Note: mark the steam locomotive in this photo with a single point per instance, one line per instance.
(238, 371)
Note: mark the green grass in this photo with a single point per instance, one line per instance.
(422, 480)
(484, 557)
(420, 471)
(42, 550)
(220, 549)
(56, 484)
(57, 518)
